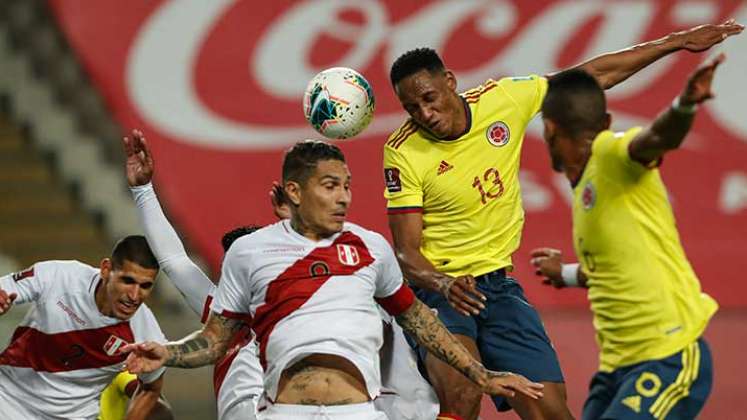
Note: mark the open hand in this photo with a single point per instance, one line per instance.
(703, 37)
(462, 294)
(139, 165)
(507, 384)
(145, 357)
(548, 262)
(698, 87)
(6, 301)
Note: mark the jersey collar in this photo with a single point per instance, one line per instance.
(468, 113)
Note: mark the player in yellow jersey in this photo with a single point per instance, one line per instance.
(115, 400)
(455, 212)
(649, 310)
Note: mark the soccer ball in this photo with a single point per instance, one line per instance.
(338, 103)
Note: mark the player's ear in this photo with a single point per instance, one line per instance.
(451, 80)
(549, 129)
(105, 268)
(293, 192)
(607, 120)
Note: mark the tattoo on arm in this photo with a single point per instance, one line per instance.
(422, 324)
(203, 347)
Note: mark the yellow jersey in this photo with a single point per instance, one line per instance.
(645, 296)
(114, 398)
(467, 188)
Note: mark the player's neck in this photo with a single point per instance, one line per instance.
(575, 163)
(463, 120)
(307, 231)
(100, 297)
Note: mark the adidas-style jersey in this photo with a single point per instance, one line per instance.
(646, 298)
(467, 188)
(237, 376)
(307, 297)
(65, 351)
(115, 398)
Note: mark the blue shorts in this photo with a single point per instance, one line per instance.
(675, 387)
(508, 332)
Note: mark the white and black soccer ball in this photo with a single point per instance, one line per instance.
(339, 103)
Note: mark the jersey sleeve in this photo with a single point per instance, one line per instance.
(527, 92)
(188, 278)
(29, 284)
(122, 381)
(392, 293)
(149, 330)
(233, 295)
(612, 150)
(404, 188)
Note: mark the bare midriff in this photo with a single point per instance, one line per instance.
(322, 379)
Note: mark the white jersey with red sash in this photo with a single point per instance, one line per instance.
(65, 351)
(310, 296)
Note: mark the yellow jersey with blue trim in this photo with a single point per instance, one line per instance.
(467, 188)
(646, 298)
(114, 398)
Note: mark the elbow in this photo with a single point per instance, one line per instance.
(605, 80)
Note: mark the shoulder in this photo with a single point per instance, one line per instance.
(145, 325)
(67, 272)
(523, 87)
(408, 130)
(608, 141)
(473, 95)
(373, 240)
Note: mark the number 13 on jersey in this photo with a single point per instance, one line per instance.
(492, 179)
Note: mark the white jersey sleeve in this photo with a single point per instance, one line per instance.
(391, 291)
(188, 278)
(233, 294)
(29, 284)
(145, 328)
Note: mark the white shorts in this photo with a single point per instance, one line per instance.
(11, 408)
(363, 411)
(243, 410)
(405, 394)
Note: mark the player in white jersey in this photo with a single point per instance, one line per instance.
(67, 348)
(237, 377)
(310, 284)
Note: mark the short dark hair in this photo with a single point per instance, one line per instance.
(301, 159)
(135, 249)
(232, 235)
(575, 102)
(413, 61)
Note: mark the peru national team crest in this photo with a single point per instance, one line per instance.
(588, 196)
(112, 345)
(348, 254)
(498, 134)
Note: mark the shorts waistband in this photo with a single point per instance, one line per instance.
(315, 409)
(499, 274)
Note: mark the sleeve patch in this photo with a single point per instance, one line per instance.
(393, 181)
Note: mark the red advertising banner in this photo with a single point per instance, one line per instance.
(217, 86)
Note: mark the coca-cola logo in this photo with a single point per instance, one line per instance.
(188, 76)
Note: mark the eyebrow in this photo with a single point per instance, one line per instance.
(334, 178)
